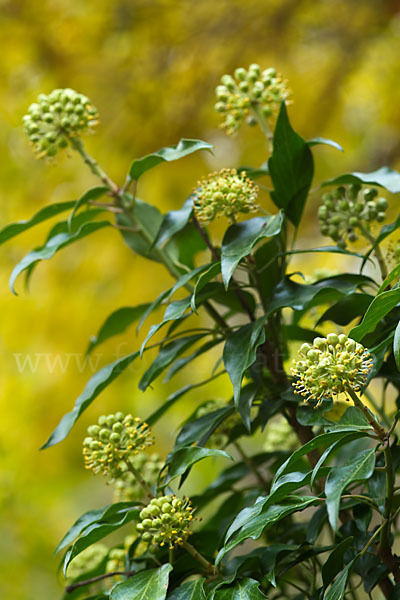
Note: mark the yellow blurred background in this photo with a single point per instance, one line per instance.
(150, 67)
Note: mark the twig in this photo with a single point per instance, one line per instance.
(74, 586)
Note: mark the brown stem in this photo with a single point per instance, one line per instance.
(140, 480)
(74, 586)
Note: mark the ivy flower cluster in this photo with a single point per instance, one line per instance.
(226, 192)
(56, 117)
(113, 442)
(347, 209)
(329, 367)
(166, 520)
(252, 90)
(127, 489)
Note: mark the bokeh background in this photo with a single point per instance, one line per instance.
(150, 66)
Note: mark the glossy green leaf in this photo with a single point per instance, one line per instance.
(192, 590)
(240, 352)
(147, 219)
(337, 590)
(117, 323)
(88, 518)
(300, 296)
(245, 589)
(332, 448)
(240, 239)
(174, 221)
(325, 142)
(180, 460)
(334, 563)
(346, 309)
(186, 360)
(198, 429)
(99, 530)
(48, 212)
(396, 346)
(53, 245)
(253, 523)
(90, 195)
(168, 154)
(213, 270)
(146, 585)
(383, 177)
(291, 168)
(167, 354)
(379, 308)
(359, 467)
(94, 387)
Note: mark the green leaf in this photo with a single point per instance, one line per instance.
(174, 221)
(186, 360)
(117, 323)
(99, 530)
(359, 467)
(213, 270)
(335, 446)
(168, 353)
(92, 194)
(396, 346)
(48, 212)
(240, 239)
(253, 522)
(337, 590)
(240, 352)
(146, 585)
(299, 296)
(324, 141)
(199, 429)
(191, 590)
(180, 460)
(53, 245)
(291, 168)
(334, 562)
(168, 154)
(148, 220)
(379, 308)
(324, 439)
(383, 177)
(246, 589)
(393, 276)
(94, 387)
(346, 309)
(92, 516)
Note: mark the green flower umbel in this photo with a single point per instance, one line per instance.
(166, 520)
(56, 117)
(252, 91)
(113, 442)
(330, 366)
(227, 192)
(349, 210)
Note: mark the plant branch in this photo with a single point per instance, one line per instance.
(140, 480)
(74, 586)
(379, 430)
(377, 251)
(207, 566)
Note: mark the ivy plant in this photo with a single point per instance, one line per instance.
(310, 508)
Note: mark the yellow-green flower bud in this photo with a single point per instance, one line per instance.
(348, 208)
(107, 451)
(56, 117)
(173, 528)
(249, 91)
(331, 367)
(227, 192)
